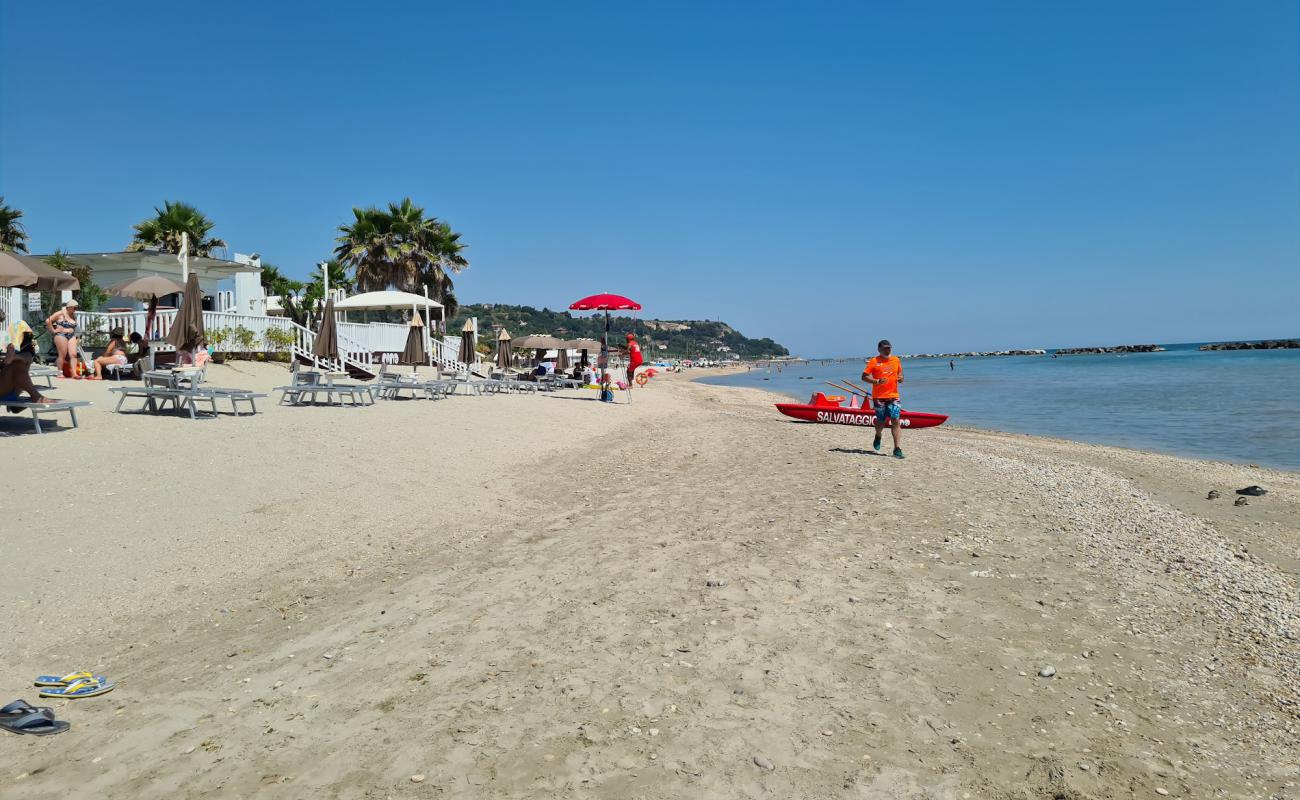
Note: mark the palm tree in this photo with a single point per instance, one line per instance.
(400, 248)
(276, 284)
(13, 236)
(163, 230)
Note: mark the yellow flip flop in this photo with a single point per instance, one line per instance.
(55, 680)
(84, 687)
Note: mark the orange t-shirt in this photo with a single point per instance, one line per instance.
(890, 370)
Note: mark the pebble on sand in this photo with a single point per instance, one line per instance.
(1047, 671)
(763, 762)
(417, 778)
(715, 583)
(1162, 791)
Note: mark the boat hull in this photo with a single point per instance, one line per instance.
(840, 415)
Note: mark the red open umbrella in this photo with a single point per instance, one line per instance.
(605, 302)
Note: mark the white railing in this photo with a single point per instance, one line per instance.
(377, 337)
(241, 333)
(238, 332)
(11, 304)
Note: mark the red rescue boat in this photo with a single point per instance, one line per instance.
(828, 410)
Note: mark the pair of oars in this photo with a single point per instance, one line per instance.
(858, 390)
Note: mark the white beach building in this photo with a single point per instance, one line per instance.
(236, 309)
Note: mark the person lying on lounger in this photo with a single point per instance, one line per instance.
(114, 354)
(14, 379)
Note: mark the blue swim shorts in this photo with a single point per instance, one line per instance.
(887, 410)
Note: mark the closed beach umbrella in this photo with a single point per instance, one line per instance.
(187, 330)
(562, 359)
(504, 356)
(327, 338)
(145, 287)
(28, 272)
(467, 353)
(413, 354)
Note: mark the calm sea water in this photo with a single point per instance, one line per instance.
(1241, 405)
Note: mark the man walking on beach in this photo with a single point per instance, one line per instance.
(884, 372)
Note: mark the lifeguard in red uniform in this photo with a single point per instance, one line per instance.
(634, 358)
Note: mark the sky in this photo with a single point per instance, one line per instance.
(950, 175)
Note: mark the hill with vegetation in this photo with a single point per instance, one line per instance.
(658, 338)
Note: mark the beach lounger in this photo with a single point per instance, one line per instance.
(42, 371)
(38, 409)
(156, 398)
(309, 384)
(185, 391)
(388, 386)
(235, 396)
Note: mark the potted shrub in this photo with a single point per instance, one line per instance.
(217, 338)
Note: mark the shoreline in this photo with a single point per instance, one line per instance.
(510, 597)
(1001, 431)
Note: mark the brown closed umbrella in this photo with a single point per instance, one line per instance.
(562, 358)
(467, 353)
(505, 358)
(187, 329)
(29, 272)
(413, 353)
(326, 344)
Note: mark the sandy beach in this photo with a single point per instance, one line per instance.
(687, 597)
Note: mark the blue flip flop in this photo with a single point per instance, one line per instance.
(21, 708)
(55, 680)
(82, 687)
(33, 724)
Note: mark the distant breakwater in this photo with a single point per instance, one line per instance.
(974, 354)
(1099, 351)
(1267, 344)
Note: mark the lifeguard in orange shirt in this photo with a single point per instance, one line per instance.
(884, 372)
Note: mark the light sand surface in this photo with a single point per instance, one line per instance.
(510, 597)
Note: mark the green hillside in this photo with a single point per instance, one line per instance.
(679, 338)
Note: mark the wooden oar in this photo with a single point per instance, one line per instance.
(845, 388)
(862, 391)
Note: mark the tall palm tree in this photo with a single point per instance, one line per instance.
(163, 230)
(13, 236)
(400, 248)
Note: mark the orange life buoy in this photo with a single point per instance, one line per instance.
(642, 379)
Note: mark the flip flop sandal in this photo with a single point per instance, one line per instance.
(34, 724)
(85, 687)
(20, 708)
(55, 680)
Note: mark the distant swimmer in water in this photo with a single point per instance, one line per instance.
(951, 366)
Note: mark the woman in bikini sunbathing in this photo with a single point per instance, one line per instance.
(115, 353)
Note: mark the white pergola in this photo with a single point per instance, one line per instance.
(389, 301)
(396, 301)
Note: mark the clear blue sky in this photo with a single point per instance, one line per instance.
(949, 175)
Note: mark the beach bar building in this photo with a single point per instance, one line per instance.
(235, 304)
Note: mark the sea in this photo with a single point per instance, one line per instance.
(1232, 405)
